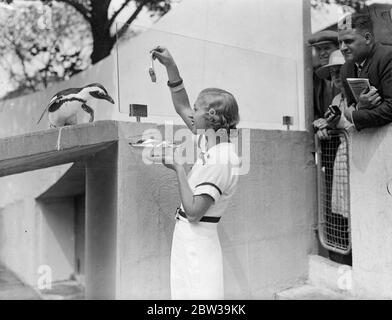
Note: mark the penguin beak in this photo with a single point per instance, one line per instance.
(102, 97)
(109, 98)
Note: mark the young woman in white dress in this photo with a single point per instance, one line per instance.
(196, 267)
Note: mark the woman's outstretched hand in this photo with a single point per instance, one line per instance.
(169, 157)
(163, 56)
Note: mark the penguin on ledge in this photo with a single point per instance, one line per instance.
(64, 105)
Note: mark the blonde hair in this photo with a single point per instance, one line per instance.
(226, 114)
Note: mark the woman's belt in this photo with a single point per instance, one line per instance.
(203, 219)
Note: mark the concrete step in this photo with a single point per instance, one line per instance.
(310, 292)
(12, 288)
(64, 290)
(325, 273)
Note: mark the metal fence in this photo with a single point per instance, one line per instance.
(334, 223)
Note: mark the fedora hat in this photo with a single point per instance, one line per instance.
(335, 59)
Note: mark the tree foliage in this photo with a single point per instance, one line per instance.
(33, 56)
(96, 14)
(38, 47)
(348, 5)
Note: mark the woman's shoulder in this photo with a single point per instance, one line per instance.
(224, 153)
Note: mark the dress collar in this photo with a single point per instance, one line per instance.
(205, 150)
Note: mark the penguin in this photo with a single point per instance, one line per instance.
(64, 105)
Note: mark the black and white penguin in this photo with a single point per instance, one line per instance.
(64, 105)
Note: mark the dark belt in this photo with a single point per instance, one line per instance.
(203, 219)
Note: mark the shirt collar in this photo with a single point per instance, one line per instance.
(360, 65)
(202, 142)
(206, 152)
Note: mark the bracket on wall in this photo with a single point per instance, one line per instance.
(138, 111)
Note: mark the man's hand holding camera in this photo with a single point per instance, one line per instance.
(330, 121)
(332, 116)
(321, 126)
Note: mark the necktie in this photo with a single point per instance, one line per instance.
(359, 69)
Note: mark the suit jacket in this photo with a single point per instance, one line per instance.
(323, 93)
(378, 69)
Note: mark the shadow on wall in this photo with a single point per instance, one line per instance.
(368, 150)
(63, 236)
(58, 237)
(2, 233)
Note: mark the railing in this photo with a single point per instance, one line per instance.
(334, 219)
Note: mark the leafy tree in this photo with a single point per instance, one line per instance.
(349, 5)
(36, 49)
(34, 56)
(96, 13)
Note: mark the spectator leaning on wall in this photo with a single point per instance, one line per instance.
(366, 59)
(324, 43)
(337, 218)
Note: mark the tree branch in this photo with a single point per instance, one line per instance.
(114, 16)
(131, 18)
(79, 8)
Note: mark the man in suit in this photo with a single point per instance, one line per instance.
(366, 59)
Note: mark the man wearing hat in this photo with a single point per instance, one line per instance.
(324, 42)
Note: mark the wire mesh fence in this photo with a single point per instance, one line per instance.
(334, 192)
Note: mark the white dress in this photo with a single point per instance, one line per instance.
(196, 267)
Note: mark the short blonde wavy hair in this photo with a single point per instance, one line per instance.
(226, 114)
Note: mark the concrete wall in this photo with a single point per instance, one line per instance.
(382, 17)
(371, 212)
(36, 234)
(57, 237)
(19, 224)
(254, 48)
(266, 233)
(22, 238)
(102, 224)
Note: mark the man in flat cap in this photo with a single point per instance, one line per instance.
(324, 42)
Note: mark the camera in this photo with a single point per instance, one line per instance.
(334, 110)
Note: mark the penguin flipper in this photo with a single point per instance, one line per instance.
(89, 110)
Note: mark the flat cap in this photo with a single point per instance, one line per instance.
(322, 37)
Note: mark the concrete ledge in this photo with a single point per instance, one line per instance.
(52, 147)
(309, 292)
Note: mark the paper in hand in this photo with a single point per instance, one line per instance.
(358, 85)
